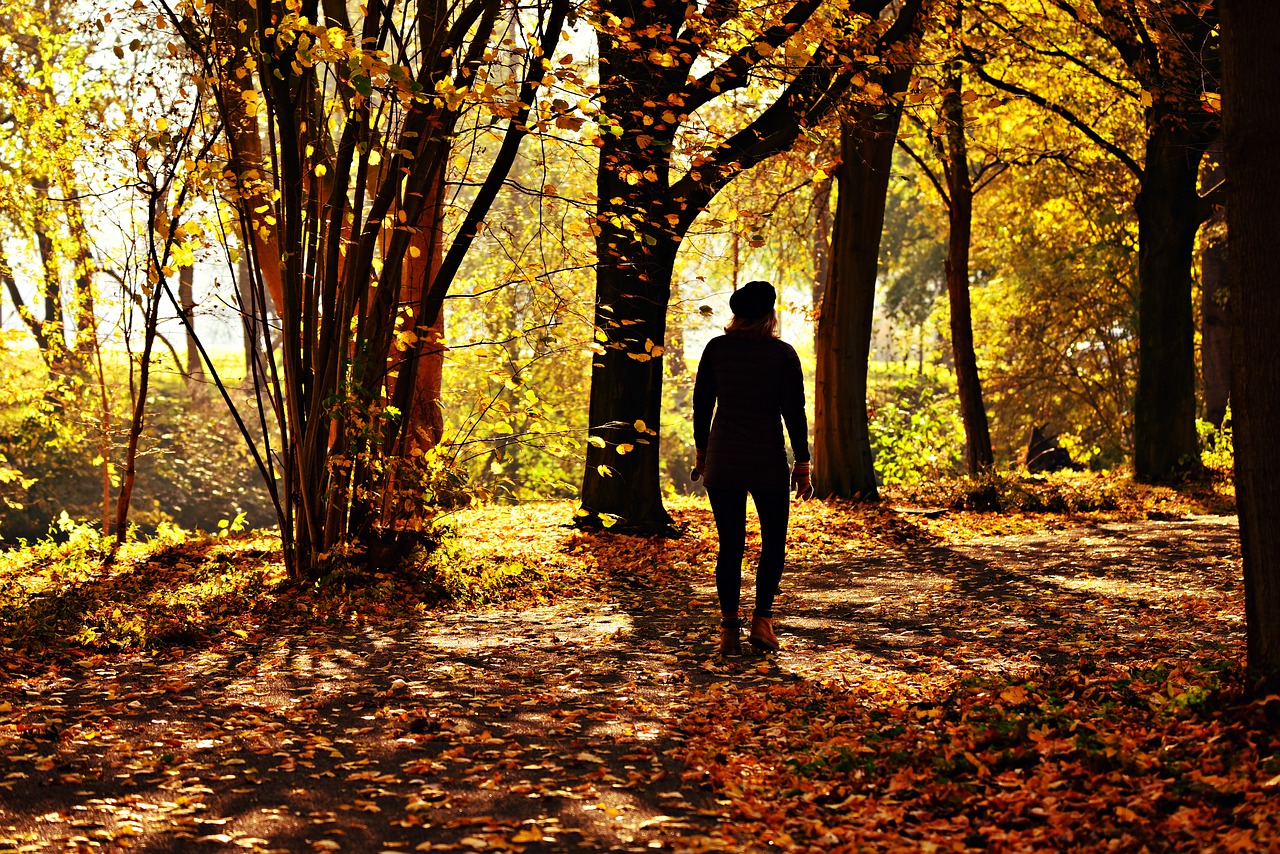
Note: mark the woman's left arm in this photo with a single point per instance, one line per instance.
(793, 415)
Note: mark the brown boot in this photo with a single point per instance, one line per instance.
(729, 643)
(762, 636)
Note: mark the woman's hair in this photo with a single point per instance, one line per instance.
(759, 327)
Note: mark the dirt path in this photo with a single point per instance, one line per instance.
(560, 728)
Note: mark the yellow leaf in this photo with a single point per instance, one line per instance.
(641, 427)
(595, 440)
(533, 833)
(604, 471)
(625, 448)
(1014, 694)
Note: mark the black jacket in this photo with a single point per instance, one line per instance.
(752, 385)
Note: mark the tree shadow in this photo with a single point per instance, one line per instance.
(395, 732)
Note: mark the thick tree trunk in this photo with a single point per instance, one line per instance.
(977, 433)
(843, 463)
(636, 252)
(1251, 114)
(626, 397)
(633, 288)
(649, 88)
(1164, 424)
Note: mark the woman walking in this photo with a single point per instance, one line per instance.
(752, 382)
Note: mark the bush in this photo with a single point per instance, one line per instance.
(916, 431)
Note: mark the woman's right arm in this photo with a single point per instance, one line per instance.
(704, 404)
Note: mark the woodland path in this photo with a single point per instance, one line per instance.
(565, 727)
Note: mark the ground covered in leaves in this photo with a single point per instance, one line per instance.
(948, 681)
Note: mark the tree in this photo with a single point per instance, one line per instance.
(342, 213)
(1164, 47)
(1251, 118)
(843, 462)
(959, 182)
(645, 208)
(47, 141)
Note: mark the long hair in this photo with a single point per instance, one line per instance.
(761, 327)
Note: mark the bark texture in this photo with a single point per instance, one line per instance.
(1251, 114)
(1168, 208)
(843, 462)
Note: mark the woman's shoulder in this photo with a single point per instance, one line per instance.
(783, 348)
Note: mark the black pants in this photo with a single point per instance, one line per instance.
(729, 506)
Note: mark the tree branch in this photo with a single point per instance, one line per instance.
(814, 93)
(734, 71)
(1062, 112)
(929, 173)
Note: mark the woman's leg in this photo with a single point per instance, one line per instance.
(773, 506)
(729, 506)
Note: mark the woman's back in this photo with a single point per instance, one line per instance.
(752, 384)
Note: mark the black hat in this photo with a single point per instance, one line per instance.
(753, 300)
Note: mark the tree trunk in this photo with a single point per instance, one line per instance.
(1215, 312)
(425, 425)
(1164, 407)
(633, 288)
(254, 346)
(977, 433)
(843, 463)
(1251, 114)
(1215, 332)
(823, 223)
(642, 215)
(186, 298)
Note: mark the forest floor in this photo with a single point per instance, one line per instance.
(965, 682)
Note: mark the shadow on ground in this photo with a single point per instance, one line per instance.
(553, 728)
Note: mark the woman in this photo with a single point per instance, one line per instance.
(752, 381)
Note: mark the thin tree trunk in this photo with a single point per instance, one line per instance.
(1251, 111)
(843, 462)
(83, 311)
(194, 370)
(977, 432)
(679, 460)
(130, 476)
(52, 326)
(1215, 311)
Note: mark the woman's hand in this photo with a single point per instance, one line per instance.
(801, 483)
(700, 461)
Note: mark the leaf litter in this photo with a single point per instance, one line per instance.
(967, 682)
